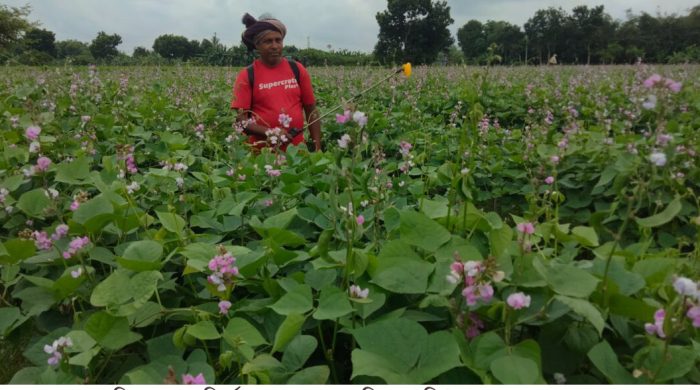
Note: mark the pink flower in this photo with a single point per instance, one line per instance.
(61, 231)
(42, 164)
(549, 180)
(32, 132)
(360, 219)
(694, 315)
(658, 326)
(518, 300)
(41, 240)
(652, 80)
(526, 228)
(272, 172)
(475, 324)
(224, 306)
(340, 119)
(74, 205)
(674, 86)
(75, 245)
(188, 379)
(554, 159)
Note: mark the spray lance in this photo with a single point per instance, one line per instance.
(405, 69)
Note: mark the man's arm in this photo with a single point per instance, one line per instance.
(315, 125)
(250, 128)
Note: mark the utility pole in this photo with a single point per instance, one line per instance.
(308, 42)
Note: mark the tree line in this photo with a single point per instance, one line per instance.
(409, 30)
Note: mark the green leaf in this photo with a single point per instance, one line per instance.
(434, 208)
(585, 236)
(676, 362)
(8, 317)
(440, 354)
(386, 353)
(500, 240)
(33, 202)
(203, 330)
(567, 279)
(142, 255)
(586, 310)
(111, 291)
(15, 250)
(333, 303)
(110, 332)
(241, 332)
(631, 308)
(663, 217)
(375, 365)
(287, 331)
(73, 172)
(281, 220)
(515, 370)
(296, 301)
(604, 359)
(172, 222)
(486, 348)
(421, 231)
(92, 209)
(399, 269)
(315, 375)
(298, 352)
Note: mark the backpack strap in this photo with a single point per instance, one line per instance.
(251, 82)
(251, 76)
(295, 69)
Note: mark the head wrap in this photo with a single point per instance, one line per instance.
(257, 29)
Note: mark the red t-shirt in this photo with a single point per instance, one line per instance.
(276, 92)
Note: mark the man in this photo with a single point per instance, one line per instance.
(272, 110)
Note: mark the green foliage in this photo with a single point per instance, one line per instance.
(512, 228)
(413, 31)
(104, 46)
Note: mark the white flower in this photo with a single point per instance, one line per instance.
(658, 159)
(34, 147)
(650, 103)
(357, 292)
(51, 193)
(685, 286)
(472, 268)
(133, 187)
(360, 118)
(559, 378)
(344, 141)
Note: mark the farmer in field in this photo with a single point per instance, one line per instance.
(273, 96)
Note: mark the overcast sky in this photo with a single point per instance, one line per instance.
(343, 24)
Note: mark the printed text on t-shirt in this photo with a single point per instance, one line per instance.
(288, 84)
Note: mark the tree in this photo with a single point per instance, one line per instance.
(592, 28)
(508, 39)
(472, 40)
(545, 31)
(140, 51)
(175, 47)
(13, 24)
(413, 30)
(105, 46)
(41, 40)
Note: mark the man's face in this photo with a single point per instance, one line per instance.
(270, 48)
